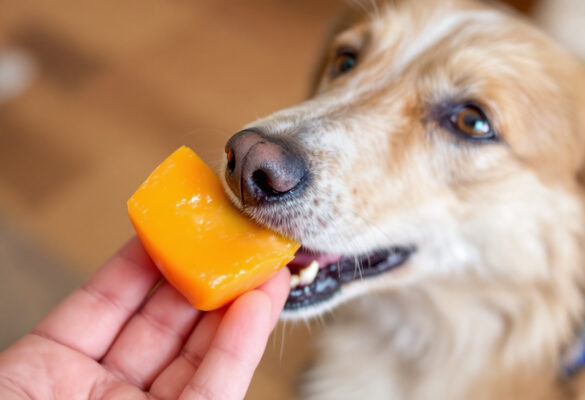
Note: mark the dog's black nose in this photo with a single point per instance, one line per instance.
(262, 169)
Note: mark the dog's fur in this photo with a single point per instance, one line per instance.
(494, 294)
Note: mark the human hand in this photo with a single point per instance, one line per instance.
(110, 340)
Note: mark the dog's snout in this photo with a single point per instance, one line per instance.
(262, 169)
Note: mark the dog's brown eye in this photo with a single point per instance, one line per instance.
(344, 61)
(471, 121)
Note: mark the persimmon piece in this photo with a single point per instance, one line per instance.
(201, 243)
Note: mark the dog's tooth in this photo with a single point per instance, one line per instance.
(294, 281)
(309, 273)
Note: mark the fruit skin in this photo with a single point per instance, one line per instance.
(201, 243)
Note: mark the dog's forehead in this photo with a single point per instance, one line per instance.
(470, 50)
(412, 30)
(405, 38)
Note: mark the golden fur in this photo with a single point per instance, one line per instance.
(488, 304)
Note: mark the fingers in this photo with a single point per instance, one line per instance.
(277, 288)
(234, 353)
(152, 338)
(90, 318)
(175, 377)
(227, 368)
(172, 381)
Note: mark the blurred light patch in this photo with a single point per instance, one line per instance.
(17, 72)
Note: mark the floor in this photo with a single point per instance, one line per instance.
(94, 94)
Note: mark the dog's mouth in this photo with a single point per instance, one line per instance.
(317, 277)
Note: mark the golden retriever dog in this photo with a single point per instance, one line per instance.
(435, 180)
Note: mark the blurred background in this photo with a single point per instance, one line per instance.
(94, 94)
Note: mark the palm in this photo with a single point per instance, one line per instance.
(106, 341)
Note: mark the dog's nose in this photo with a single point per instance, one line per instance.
(262, 169)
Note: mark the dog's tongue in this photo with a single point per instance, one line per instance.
(304, 257)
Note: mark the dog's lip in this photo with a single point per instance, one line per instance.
(304, 257)
(336, 270)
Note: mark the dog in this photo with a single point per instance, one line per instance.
(435, 179)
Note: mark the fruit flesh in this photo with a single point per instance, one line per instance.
(201, 243)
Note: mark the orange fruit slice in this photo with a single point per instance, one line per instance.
(201, 243)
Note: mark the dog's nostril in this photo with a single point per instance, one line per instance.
(231, 160)
(262, 181)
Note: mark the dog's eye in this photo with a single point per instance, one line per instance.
(470, 121)
(345, 60)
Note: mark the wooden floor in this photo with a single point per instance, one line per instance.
(118, 86)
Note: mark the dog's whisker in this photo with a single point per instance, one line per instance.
(359, 4)
(375, 8)
(369, 8)
(283, 327)
(308, 325)
(357, 267)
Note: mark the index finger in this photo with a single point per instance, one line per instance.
(234, 353)
(89, 319)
